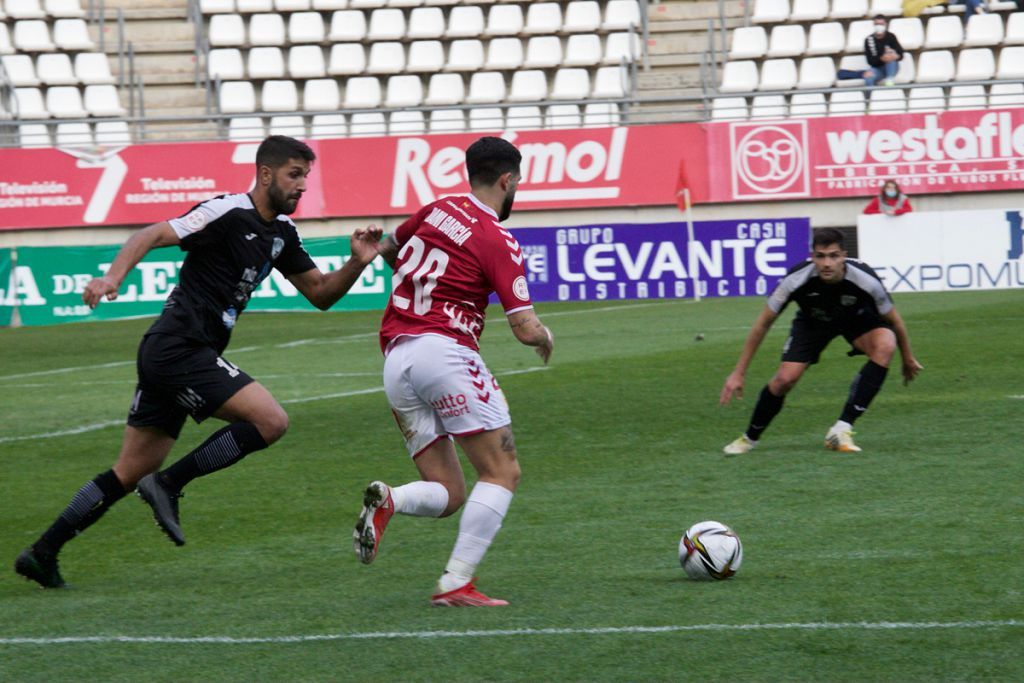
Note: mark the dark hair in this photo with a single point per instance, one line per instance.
(277, 150)
(881, 189)
(880, 16)
(489, 158)
(826, 236)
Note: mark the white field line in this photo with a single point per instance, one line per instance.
(66, 432)
(1017, 396)
(500, 633)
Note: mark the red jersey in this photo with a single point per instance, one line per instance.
(452, 255)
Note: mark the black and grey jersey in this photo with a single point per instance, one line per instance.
(859, 289)
(231, 249)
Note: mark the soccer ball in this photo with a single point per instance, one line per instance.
(710, 550)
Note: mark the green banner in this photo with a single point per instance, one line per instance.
(7, 298)
(48, 283)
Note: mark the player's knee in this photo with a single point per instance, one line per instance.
(782, 384)
(456, 497)
(273, 425)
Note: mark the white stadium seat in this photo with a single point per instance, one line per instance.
(770, 11)
(621, 15)
(224, 63)
(404, 3)
(487, 87)
(64, 9)
(778, 74)
(362, 92)
(21, 70)
(113, 133)
(857, 32)
(908, 70)
(292, 126)
(330, 4)
(543, 52)
(265, 62)
(279, 95)
(826, 39)
(926, 99)
(321, 94)
(619, 47)
(808, 104)
(306, 61)
(24, 9)
(935, 67)
(367, 123)
(465, 55)
(465, 22)
(583, 49)
(65, 102)
(854, 63)
(407, 123)
(504, 54)
(728, 108)
(386, 58)
(306, 27)
(486, 119)
(768, 107)
(425, 55)
(237, 97)
(347, 26)
(367, 4)
(446, 89)
(251, 6)
(984, 30)
(582, 16)
(601, 115)
(1014, 29)
(967, 97)
(71, 134)
(30, 104)
(529, 86)
(570, 84)
(809, 10)
(609, 83)
(34, 135)
(524, 118)
(887, 8)
(55, 69)
(94, 68)
(887, 101)
(33, 35)
(266, 29)
(226, 30)
(943, 32)
(216, 6)
(292, 6)
(1006, 95)
(975, 64)
(847, 103)
(1011, 64)
(447, 121)
(346, 59)
(563, 116)
(849, 9)
(386, 24)
(328, 126)
(543, 17)
(739, 76)
(404, 91)
(817, 72)
(787, 41)
(748, 42)
(909, 31)
(426, 22)
(72, 34)
(504, 20)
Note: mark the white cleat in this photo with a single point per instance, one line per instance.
(841, 440)
(740, 446)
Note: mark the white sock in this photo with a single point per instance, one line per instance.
(420, 498)
(481, 520)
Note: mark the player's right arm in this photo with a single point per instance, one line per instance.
(138, 245)
(734, 382)
(529, 330)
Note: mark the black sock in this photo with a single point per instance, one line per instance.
(768, 406)
(865, 386)
(87, 506)
(223, 449)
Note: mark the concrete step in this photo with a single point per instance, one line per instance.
(160, 68)
(682, 10)
(180, 130)
(668, 79)
(177, 97)
(677, 43)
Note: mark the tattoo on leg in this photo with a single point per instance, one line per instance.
(508, 443)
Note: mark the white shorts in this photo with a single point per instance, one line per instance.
(438, 388)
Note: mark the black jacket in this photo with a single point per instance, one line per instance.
(874, 47)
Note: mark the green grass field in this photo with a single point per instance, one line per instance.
(903, 563)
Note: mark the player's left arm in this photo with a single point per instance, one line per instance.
(910, 365)
(323, 290)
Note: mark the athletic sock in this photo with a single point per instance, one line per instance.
(768, 406)
(481, 520)
(85, 508)
(864, 388)
(420, 498)
(224, 448)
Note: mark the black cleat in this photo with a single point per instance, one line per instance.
(165, 506)
(39, 568)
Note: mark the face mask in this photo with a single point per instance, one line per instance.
(879, 30)
(891, 193)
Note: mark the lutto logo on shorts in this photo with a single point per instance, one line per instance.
(769, 160)
(451, 405)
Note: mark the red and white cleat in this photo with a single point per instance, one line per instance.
(378, 507)
(466, 596)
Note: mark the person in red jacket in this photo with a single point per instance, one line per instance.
(890, 200)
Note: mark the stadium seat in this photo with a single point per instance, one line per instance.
(441, 3)
(809, 10)
(246, 129)
(887, 101)
(728, 108)
(583, 49)
(620, 15)
(563, 116)
(529, 86)
(504, 54)
(582, 16)
(362, 92)
(967, 97)
(609, 82)
(570, 84)
(306, 61)
(30, 104)
(543, 17)
(328, 5)
(486, 119)
(846, 103)
(64, 9)
(367, 4)
(935, 67)
(975, 64)
(943, 32)
(770, 11)
(32, 35)
(216, 6)
(787, 41)
(386, 58)
(853, 63)
(1006, 95)
(887, 8)
(404, 91)
(266, 29)
(386, 24)
(65, 102)
(321, 94)
(55, 69)
(601, 115)
(425, 55)
(447, 121)
(926, 99)
(24, 9)
(291, 6)
(72, 34)
(778, 74)
(404, 3)
(909, 31)
(347, 26)
(224, 63)
(768, 107)
(748, 42)
(857, 32)
(445, 89)
(93, 68)
(808, 104)
(6, 47)
(346, 59)
(504, 20)
(265, 62)
(70, 134)
(407, 123)
(306, 27)
(848, 9)
(226, 30)
(34, 135)
(237, 97)
(367, 123)
(426, 22)
(292, 126)
(487, 87)
(619, 47)
(1014, 29)
(251, 6)
(826, 39)
(1011, 64)
(465, 55)
(908, 70)
(21, 70)
(524, 118)
(984, 30)
(739, 76)
(465, 22)
(817, 72)
(113, 133)
(543, 52)
(281, 95)
(328, 126)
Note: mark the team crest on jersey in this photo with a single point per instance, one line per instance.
(275, 251)
(196, 220)
(520, 288)
(847, 300)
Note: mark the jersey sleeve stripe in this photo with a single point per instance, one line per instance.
(518, 309)
(203, 214)
(789, 284)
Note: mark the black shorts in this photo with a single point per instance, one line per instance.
(808, 338)
(178, 378)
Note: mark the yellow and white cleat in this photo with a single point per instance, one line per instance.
(841, 440)
(740, 446)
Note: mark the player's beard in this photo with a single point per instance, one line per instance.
(280, 202)
(506, 206)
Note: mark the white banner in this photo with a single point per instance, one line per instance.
(945, 251)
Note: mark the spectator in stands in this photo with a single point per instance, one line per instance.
(913, 8)
(890, 200)
(883, 52)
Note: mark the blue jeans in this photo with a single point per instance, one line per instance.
(972, 7)
(881, 73)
